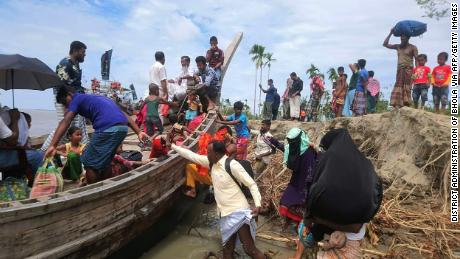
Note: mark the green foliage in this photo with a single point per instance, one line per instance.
(258, 54)
(434, 8)
(313, 71)
(332, 74)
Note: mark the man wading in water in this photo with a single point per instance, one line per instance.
(237, 219)
(401, 94)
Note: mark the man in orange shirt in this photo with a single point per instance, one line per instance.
(441, 79)
(421, 80)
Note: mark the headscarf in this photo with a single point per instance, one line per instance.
(296, 144)
(345, 189)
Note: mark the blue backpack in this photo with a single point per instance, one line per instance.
(409, 28)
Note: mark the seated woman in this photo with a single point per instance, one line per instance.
(72, 151)
(196, 173)
(177, 135)
(121, 165)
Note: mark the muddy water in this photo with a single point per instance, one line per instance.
(197, 233)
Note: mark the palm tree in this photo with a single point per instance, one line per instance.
(332, 75)
(258, 52)
(313, 71)
(268, 62)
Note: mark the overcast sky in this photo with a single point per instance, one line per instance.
(326, 33)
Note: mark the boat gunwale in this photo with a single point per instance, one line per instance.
(46, 204)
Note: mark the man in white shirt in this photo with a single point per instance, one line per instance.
(157, 75)
(237, 219)
(181, 81)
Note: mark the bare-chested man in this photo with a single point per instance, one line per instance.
(407, 53)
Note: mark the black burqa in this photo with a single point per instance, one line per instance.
(345, 189)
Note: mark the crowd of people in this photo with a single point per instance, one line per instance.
(418, 79)
(221, 160)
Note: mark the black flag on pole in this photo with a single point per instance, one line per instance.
(133, 92)
(105, 64)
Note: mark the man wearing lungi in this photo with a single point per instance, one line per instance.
(110, 129)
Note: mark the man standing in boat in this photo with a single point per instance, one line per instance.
(69, 72)
(110, 129)
(157, 75)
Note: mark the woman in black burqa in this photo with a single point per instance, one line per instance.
(346, 192)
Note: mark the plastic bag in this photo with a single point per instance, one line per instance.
(409, 28)
(13, 189)
(48, 180)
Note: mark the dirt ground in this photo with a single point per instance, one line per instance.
(410, 151)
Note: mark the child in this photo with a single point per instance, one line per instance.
(72, 151)
(421, 80)
(340, 92)
(265, 146)
(441, 79)
(239, 120)
(121, 165)
(215, 57)
(193, 105)
(153, 117)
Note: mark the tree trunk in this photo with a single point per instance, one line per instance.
(260, 90)
(255, 93)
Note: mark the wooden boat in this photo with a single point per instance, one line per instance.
(96, 220)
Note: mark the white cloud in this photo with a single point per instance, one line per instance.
(326, 33)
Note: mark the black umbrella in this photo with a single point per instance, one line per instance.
(19, 72)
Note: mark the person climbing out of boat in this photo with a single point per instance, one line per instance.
(208, 88)
(350, 96)
(360, 100)
(344, 179)
(407, 53)
(69, 72)
(236, 216)
(110, 129)
(194, 107)
(301, 158)
(266, 146)
(196, 173)
(152, 119)
(72, 151)
(121, 165)
(267, 112)
(340, 92)
(240, 122)
(441, 79)
(215, 57)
